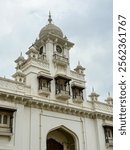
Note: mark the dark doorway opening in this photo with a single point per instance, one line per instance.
(54, 145)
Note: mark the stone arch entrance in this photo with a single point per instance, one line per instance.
(61, 139)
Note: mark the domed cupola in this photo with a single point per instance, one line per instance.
(50, 28)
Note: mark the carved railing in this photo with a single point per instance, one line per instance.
(99, 106)
(12, 86)
(63, 94)
(109, 142)
(36, 62)
(78, 99)
(62, 59)
(76, 75)
(44, 90)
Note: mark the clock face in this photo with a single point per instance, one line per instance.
(58, 49)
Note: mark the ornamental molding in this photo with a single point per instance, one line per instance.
(51, 106)
(35, 63)
(53, 37)
(77, 77)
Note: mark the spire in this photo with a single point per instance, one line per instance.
(92, 89)
(49, 19)
(21, 54)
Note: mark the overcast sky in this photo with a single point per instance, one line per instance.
(87, 23)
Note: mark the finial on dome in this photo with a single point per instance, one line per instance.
(92, 89)
(49, 19)
(21, 54)
(109, 94)
(79, 63)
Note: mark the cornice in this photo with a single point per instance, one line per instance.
(51, 106)
(35, 63)
(12, 81)
(77, 77)
(53, 37)
(16, 98)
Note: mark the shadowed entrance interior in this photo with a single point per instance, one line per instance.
(60, 139)
(54, 145)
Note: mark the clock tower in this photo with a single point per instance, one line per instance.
(47, 68)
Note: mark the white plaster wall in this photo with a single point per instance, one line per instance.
(49, 53)
(31, 80)
(19, 130)
(26, 127)
(35, 126)
(90, 132)
(52, 120)
(52, 94)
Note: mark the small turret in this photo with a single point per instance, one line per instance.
(19, 76)
(32, 52)
(79, 69)
(19, 60)
(94, 96)
(109, 99)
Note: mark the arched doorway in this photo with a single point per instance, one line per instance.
(61, 139)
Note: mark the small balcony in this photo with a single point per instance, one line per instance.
(78, 99)
(62, 86)
(62, 94)
(6, 121)
(6, 131)
(60, 60)
(44, 84)
(109, 142)
(44, 91)
(77, 93)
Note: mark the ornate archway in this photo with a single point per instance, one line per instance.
(61, 138)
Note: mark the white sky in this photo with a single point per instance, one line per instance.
(87, 23)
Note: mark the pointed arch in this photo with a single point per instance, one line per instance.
(64, 136)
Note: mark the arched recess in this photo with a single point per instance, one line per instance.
(62, 138)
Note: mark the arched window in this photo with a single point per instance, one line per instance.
(41, 50)
(5, 119)
(20, 80)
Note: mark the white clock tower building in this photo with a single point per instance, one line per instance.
(45, 106)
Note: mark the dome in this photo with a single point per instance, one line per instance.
(50, 28)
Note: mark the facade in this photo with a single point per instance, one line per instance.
(45, 106)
